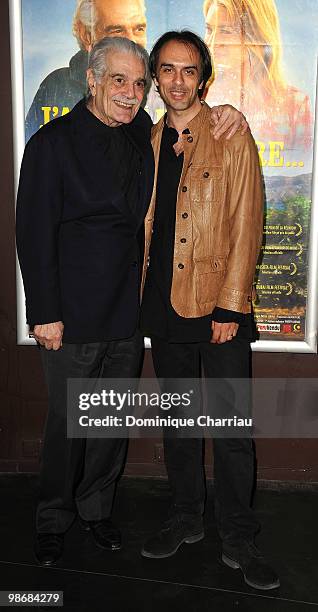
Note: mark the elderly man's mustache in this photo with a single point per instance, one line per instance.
(123, 100)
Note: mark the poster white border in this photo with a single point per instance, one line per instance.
(308, 345)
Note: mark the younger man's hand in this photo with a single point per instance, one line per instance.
(223, 332)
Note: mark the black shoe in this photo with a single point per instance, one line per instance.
(48, 548)
(175, 532)
(105, 534)
(257, 573)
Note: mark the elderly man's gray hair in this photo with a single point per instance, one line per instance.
(98, 56)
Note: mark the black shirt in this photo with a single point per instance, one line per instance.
(125, 159)
(122, 155)
(158, 318)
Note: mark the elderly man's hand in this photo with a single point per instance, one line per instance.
(228, 119)
(223, 332)
(49, 335)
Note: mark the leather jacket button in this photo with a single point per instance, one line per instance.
(184, 215)
(183, 240)
(206, 174)
(190, 139)
(184, 188)
(181, 266)
(134, 264)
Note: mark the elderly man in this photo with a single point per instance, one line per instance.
(85, 186)
(205, 227)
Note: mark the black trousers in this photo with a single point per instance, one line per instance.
(233, 457)
(80, 475)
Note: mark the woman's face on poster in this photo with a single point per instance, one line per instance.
(224, 37)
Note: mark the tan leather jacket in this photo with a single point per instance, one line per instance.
(219, 220)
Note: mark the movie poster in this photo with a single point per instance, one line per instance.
(264, 64)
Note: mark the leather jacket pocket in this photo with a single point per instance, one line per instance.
(209, 274)
(206, 183)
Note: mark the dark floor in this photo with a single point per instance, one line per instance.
(193, 580)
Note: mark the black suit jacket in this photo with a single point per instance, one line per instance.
(78, 239)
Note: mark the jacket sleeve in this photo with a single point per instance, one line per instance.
(245, 201)
(39, 210)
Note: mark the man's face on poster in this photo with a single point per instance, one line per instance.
(124, 18)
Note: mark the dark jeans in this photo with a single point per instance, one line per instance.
(233, 457)
(80, 475)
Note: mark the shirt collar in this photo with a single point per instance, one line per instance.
(192, 125)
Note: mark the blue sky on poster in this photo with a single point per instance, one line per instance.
(49, 44)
